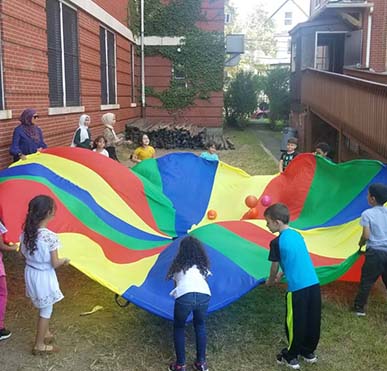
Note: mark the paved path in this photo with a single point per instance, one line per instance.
(271, 141)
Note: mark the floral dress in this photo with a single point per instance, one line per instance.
(42, 285)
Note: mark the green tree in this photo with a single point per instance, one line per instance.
(240, 99)
(276, 86)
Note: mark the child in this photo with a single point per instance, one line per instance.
(189, 270)
(323, 149)
(210, 154)
(289, 155)
(144, 151)
(82, 136)
(40, 248)
(99, 145)
(303, 299)
(4, 333)
(374, 223)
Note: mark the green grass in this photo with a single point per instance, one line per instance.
(249, 154)
(245, 335)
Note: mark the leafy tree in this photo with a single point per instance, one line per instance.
(276, 86)
(240, 99)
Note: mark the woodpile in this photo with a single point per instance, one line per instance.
(170, 136)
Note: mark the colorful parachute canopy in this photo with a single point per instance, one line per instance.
(122, 228)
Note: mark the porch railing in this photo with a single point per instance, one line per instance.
(356, 107)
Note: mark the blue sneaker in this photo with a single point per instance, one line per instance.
(293, 363)
(201, 366)
(310, 358)
(176, 367)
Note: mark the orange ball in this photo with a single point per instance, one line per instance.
(252, 214)
(251, 201)
(211, 214)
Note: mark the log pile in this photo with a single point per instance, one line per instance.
(170, 136)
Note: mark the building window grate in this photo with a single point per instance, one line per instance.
(108, 66)
(63, 54)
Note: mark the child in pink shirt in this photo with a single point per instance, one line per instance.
(4, 333)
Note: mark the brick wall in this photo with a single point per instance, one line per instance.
(117, 8)
(158, 73)
(379, 36)
(24, 43)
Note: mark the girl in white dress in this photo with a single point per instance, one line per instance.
(40, 246)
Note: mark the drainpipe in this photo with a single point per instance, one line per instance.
(142, 62)
(368, 51)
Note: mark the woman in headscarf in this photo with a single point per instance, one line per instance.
(82, 136)
(112, 139)
(27, 137)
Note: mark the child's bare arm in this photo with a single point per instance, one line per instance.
(273, 274)
(364, 236)
(56, 261)
(5, 247)
(280, 165)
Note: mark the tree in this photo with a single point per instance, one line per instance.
(276, 86)
(240, 99)
(258, 31)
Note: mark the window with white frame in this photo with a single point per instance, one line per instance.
(288, 18)
(317, 3)
(63, 55)
(2, 103)
(108, 66)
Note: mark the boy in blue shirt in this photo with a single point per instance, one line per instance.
(374, 223)
(210, 154)
(303, 299)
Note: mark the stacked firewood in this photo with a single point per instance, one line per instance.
(170, 136)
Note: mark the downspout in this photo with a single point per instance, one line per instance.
(369, 30)
(142, 62)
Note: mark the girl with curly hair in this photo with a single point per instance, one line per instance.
(190, 270)
(40, 246)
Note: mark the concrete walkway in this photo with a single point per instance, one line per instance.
(271, 142)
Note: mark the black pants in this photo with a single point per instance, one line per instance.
(375, 265)
(302, 321)
(112, 152)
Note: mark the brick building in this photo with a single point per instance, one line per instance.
(338, 78)
(68, 57)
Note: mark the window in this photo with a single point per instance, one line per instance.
(322, 58)
(288, 18)
(178, 73)
(2, 105)
(132, 74)
(108, 66)
(63, 56)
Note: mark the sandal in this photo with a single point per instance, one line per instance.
(49, 339)
(48, 349)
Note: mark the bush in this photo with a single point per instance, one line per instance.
(277, 89)
(240, 99)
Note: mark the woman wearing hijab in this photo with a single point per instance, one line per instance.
(27, 137)
(112, 139)
(82, 137)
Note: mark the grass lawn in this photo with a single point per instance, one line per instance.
(245, 336)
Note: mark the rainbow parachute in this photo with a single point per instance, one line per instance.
(122, 227)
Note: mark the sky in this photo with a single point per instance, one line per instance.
(244, 6)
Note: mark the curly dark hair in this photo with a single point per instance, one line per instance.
(191, 252)
(38, 209)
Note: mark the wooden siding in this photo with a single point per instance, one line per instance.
(355, 107)
(158, 74)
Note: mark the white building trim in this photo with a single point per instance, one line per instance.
(104, 17)
(163, 41)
